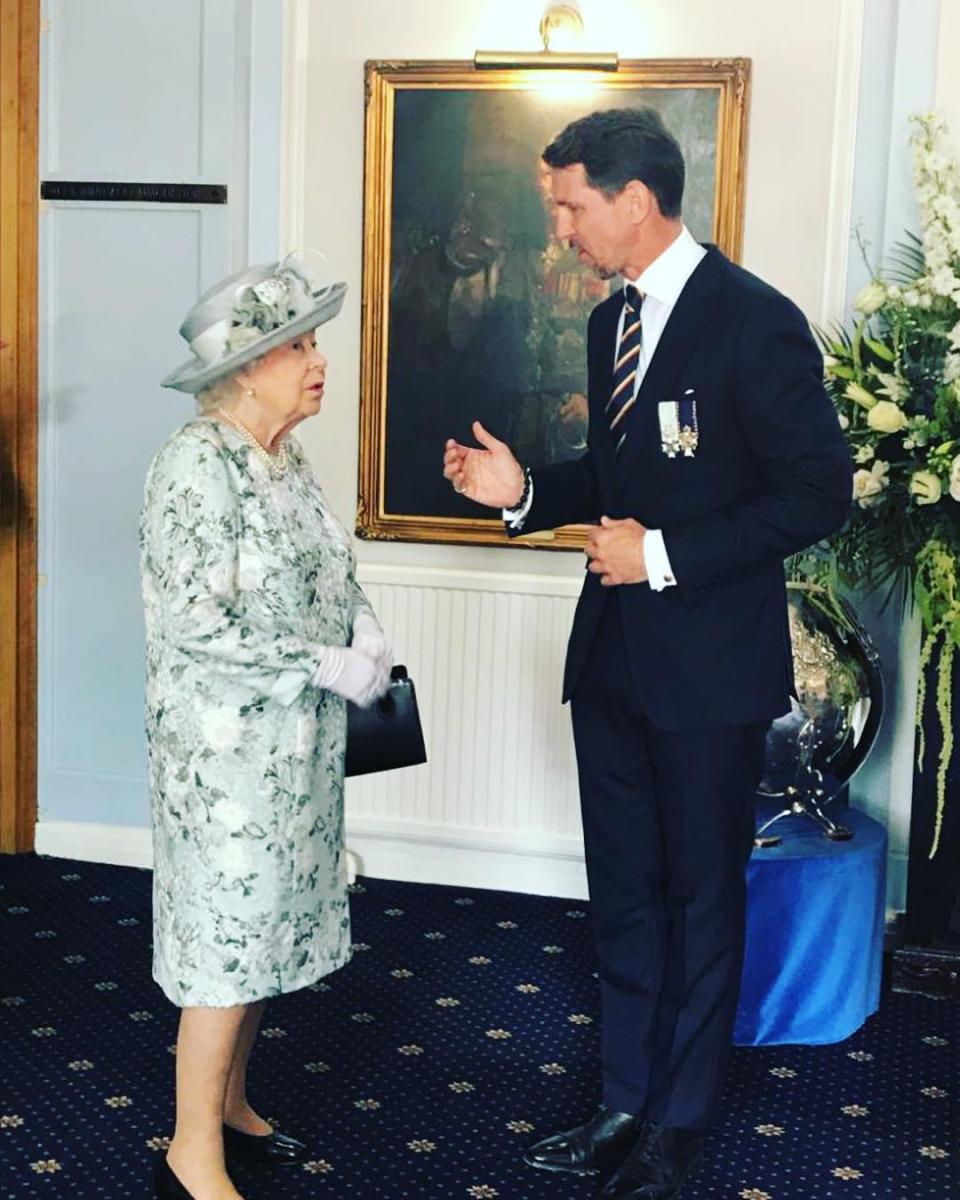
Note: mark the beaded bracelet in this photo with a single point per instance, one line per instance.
(525, 495)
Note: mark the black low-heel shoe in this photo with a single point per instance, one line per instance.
(262, 1149)
(166, 1186)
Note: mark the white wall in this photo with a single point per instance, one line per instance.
(947, 85)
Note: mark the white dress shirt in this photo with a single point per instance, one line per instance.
(661, 284)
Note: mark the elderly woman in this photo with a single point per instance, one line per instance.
(257, 635)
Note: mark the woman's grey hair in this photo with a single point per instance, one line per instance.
(223, 392)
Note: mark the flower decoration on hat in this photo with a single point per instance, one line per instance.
(266, 306)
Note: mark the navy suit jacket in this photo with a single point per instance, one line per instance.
(771, 476)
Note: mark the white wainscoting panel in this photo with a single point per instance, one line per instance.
(487, 664)
(486, 654)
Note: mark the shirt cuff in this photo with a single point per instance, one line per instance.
(515, 517)
(659, 571)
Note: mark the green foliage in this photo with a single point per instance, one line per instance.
(894, 379)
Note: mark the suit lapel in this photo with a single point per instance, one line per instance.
(680, 335)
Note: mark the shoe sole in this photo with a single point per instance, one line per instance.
(684, 1179)
(580, 1172)
(238, 1160)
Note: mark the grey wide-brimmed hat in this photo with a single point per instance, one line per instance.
(246, 315)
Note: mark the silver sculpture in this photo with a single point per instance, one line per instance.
(815, 750)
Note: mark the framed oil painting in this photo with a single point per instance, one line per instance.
(470, 309)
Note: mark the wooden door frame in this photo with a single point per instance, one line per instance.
(19, 210)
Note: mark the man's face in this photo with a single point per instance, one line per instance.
(598, 227)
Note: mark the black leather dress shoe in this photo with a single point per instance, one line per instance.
(274, 1149)
(597, 1146)
(656, 1167)
(166, 1186)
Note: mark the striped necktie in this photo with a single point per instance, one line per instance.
(628, 360)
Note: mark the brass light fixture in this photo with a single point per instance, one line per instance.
(562, 23)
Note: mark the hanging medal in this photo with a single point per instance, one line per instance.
(687, 421)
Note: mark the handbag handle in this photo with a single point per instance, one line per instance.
(387, 735)
(386, 705)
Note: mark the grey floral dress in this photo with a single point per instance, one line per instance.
(245, 575)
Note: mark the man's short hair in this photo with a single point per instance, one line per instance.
(621, 144)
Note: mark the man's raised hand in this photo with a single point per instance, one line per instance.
(490, 476)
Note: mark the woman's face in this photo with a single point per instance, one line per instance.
(288, 381)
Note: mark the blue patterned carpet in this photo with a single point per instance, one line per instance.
(465, 1027)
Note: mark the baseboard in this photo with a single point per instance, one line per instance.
(409, 851)
(118, 845)
(423, 853)
(897, 865)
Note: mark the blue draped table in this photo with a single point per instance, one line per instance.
(815, 916)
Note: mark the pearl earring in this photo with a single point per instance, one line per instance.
(250, 393)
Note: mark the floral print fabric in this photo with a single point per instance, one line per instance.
(245, 576)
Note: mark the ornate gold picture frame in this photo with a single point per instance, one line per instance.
(470, 309)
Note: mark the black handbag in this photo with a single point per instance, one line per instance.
(388, 734)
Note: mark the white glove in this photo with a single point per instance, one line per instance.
(370, 639)
(351, 674)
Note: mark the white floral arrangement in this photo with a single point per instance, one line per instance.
(895, 382)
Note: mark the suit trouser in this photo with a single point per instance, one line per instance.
(668, 820)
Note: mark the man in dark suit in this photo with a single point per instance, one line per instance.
(713, 454)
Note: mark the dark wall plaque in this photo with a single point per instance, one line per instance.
(136, 193)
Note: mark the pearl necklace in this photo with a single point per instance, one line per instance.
(276, 464)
